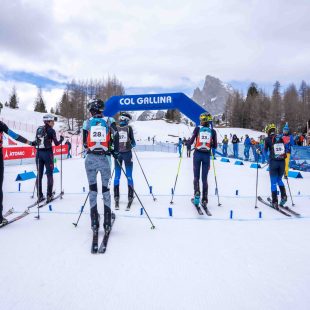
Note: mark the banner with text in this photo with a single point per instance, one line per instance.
(16, 152)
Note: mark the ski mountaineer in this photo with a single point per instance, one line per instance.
(205, 140)
(4, 129)
(98, 132)
(126, 143)
(288, 142)
(275, 145)
(45, 136)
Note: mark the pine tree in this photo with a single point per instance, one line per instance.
(39, 105)
(13, 101)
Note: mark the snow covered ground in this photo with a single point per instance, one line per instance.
(187, 262)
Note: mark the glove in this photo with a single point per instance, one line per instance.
(33, 143)
(61, 139)
(85, 146)
(258, 151)
(133, 144)
(115, 154)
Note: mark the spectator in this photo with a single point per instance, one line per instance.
(254, 147)
(69, 148)
(180, 147)
(1, 107)
(188, 148)
(247, 145)
(225, 146)
(262, 148)
(235, 141)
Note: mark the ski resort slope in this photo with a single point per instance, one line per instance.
(187, 262)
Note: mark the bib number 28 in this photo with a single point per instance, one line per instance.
(98, 134)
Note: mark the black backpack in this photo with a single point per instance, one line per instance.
(41, 135)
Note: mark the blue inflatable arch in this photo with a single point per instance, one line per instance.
(154, 102)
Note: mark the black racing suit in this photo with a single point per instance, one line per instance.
(45, 157)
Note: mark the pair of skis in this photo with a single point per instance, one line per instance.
(26, 212)
(282, 209)
(104, 243)
(199, 206)
(14, 219)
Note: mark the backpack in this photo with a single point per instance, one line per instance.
(41, 135)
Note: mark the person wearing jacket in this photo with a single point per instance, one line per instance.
(5, 129)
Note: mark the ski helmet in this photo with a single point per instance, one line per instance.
(205, 117)
(49, 117)
(270, 129)
(95, 106)
(124, 118)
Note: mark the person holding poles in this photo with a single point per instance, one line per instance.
(5, 129)
(126, 143)
(45, 136)
(100, 140)
(276, 146)
(205, 140)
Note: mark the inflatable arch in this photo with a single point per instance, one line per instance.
(166, 101)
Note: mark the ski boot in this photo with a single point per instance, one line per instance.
(40, 199)
(107, 219)
(50, 197)
(3, 221)
(116, 196)
(94, 217)
(197, 198)
(130, 197)
(283, 196)
(274, 202)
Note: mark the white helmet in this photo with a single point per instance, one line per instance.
(49, 117)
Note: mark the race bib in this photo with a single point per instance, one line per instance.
(205, 137)
(98, 134)
(279, 149)
(123, 136)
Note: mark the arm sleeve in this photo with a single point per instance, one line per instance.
(115, 137)
(195, 133)
(131, 137)
(85, 134)
(52, 136)
(17, 137)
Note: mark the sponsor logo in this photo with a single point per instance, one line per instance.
(146, 100)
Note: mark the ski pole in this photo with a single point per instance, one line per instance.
(176, 178)
(150, 188)
(82, 209)
(289, 189)
(34, 188)
(38, 189)
(135, 192)
(256, 181)
(61, 190)
(216, 187)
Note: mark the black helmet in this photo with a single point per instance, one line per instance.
(95, 106)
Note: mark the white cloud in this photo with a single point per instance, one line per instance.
(157, 43)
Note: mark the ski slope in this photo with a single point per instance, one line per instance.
(187, 262)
